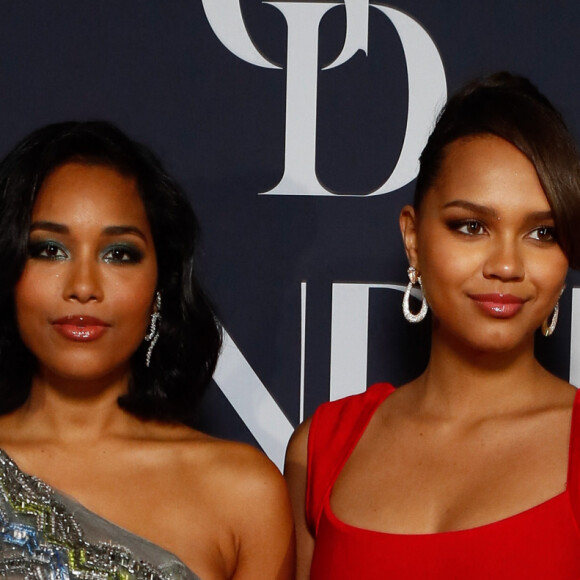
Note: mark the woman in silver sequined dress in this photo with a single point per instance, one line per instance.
(106, 343)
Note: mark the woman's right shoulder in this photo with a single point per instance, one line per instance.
(297, 449)
(333, 425)
(340, 415)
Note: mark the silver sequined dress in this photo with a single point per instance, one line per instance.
(45, 535)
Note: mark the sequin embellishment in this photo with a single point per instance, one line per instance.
(41, 540)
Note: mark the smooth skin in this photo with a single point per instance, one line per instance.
(483, 433)
(221, 507)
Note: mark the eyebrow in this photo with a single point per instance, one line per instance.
(50, 227)
(108, 231)
(122, 230)
(482, 209)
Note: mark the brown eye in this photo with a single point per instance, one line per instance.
(118, 254)
(52, 251)
(544, 234)
(470, 228)
(47, 250)
(122, 254)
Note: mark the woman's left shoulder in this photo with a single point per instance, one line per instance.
(241, 468)
(249, 499)
(219, 464)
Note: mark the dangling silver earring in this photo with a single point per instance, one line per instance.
(548, 329)
(414, 278)
(153, 334)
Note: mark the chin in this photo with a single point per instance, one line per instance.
(485, 340)
(500, 344)
(88, 369)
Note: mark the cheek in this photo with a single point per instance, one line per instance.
(133, 303)
(32, 297)
(447, 273)
(550, 272)
(443, 263)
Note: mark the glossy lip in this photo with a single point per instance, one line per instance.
(80, 328)
(499, 305)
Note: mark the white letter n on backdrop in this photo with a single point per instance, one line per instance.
(252, 401)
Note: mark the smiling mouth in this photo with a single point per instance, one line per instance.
(80, 328)
(498, 305)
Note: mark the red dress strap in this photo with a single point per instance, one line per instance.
(334, 432)
(573, 484)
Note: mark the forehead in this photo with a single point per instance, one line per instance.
(490, 171)
(82, 193)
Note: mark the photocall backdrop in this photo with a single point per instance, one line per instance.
(295, 128)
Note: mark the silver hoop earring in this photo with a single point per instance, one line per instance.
(153, 335)
(414, 278)
(548, 329)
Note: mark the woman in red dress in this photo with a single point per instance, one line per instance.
(472, 469)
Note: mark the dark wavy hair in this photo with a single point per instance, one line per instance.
(512, 108)
(186, 353)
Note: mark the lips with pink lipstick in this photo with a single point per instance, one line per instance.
(80, 328)
(499, 305)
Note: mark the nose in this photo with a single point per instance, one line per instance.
(504, 261)
(83, 281)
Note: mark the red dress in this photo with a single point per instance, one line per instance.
(540, 543)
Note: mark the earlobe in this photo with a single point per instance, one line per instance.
(408, 225)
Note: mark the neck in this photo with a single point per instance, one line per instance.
(69, 410)
(461, 381)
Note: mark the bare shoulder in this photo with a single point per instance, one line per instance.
(296, 469)
(234, 477)
(297, 450)
(296, 473)
(239, 496)
(239, 467)
(249, 498)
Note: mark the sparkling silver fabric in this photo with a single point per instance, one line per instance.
(45, 535)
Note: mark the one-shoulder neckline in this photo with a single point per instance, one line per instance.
(69, 503)
(557, 498)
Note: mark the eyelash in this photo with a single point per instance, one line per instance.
(134, 255)
(550, 231)
(458, 225)
(37, 249)
(53, 251)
